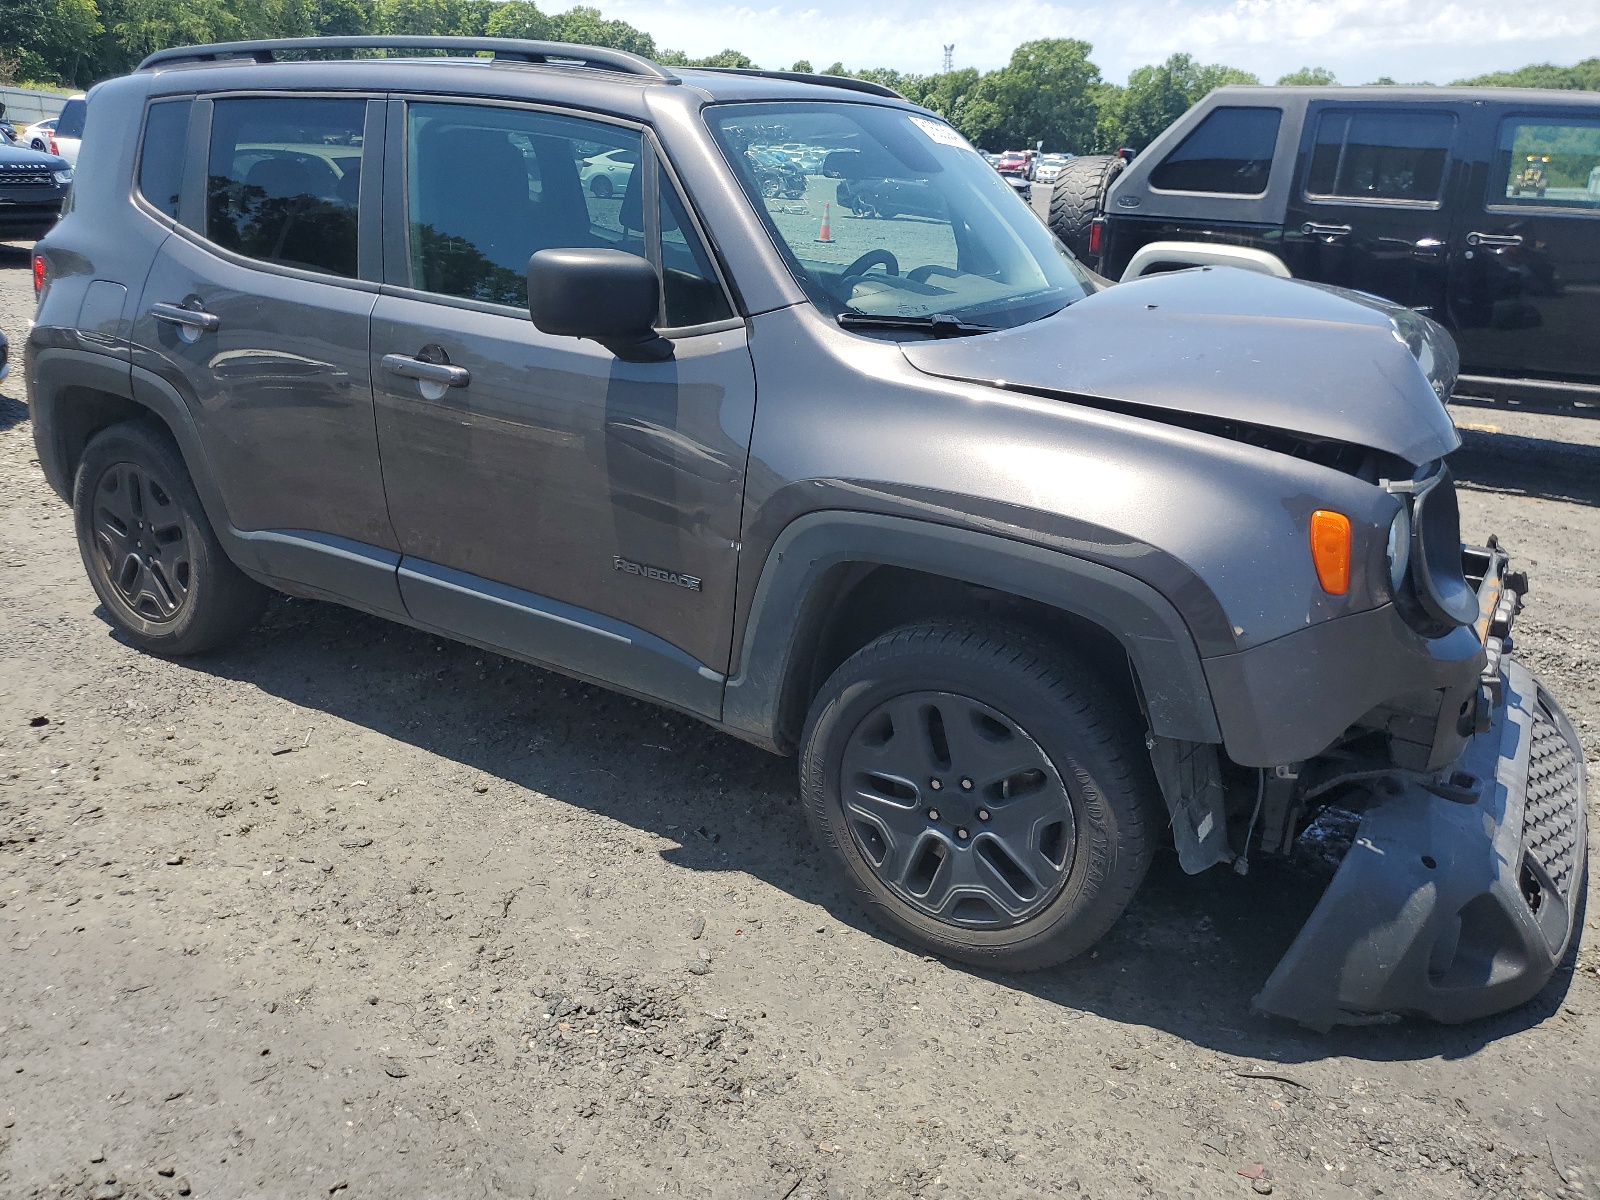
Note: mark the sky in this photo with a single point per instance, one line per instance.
(1359, 40)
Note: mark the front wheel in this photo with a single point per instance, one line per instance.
(601, 187)
(980, 793)
(150, 552)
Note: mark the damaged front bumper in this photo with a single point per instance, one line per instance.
(1458, 898)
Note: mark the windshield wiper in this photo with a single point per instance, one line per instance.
(941, 325)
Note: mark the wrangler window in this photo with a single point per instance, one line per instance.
(1381, 156)
(1548, 163)
(1230, 154)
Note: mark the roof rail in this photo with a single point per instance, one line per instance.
(837, 81)
(503, 49)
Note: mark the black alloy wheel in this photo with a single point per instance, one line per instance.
(151, 555)
(982, 793)
(957, 810)
(141, 550)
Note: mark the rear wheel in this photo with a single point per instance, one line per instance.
(601, 187)
(150, 552)
(1079, 196)
(980, 794)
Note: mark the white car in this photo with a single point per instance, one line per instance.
(1048, 168)
(607, 175)
(38, 135)
(65, 129)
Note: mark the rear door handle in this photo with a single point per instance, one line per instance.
(444, 374)
(1316, 230)
(1493, 239)
(190, 320)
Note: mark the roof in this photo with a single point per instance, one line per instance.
(308, 62)
(1409, 94)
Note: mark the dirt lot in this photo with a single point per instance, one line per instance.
(351, 911)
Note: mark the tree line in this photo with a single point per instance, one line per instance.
(1049, 92)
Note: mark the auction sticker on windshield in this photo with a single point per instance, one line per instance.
(944, 134)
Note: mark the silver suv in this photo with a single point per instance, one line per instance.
(1034, 572)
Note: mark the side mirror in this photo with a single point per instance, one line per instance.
(607, 296)
(842, 164)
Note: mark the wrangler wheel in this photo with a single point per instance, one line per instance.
(149, 550)
(981, 794)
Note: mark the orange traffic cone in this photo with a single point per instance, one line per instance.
(825, 234)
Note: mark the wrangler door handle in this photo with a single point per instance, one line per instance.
(1316, 230)
(190, 320)
(1493, 239)
(444, 374)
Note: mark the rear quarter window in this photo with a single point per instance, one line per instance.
(1230, 153)
(161, 154)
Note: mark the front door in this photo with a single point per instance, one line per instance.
(1525, 265)
(1369, 210)
(550, 500)
(256, 314)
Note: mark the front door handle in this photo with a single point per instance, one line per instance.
(443, 374)
(1493, 239)
(1316, 230)
(191, 321)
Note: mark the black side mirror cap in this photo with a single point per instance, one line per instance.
(607, 296)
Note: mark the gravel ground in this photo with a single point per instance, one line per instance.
(353, 911)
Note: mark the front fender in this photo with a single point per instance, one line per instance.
(787, 605)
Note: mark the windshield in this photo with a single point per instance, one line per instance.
(892, 213)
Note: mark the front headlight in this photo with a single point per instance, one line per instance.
(62, 178)
(1399, 547)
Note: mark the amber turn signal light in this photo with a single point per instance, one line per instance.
(1330, 550)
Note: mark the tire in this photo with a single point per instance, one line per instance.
(1061, 846)
(164, 580)
(600, 185)
(1079, 196)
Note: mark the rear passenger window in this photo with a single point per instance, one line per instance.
(490, 186)
(1381, 156)
(166, 133)
(1548, 163)
(284, 178)
(1230, 153)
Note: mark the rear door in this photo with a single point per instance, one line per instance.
(257, 313)
(551, 500)
(1525, 261)
(1370, 209)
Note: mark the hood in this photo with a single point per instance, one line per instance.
(24, 156)
(1235, 346)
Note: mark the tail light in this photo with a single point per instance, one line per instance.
(1097, 234)
(50, 144)
(38, 274)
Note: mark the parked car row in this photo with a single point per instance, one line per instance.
(36, 168)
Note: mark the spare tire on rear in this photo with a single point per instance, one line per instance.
(1079, 196)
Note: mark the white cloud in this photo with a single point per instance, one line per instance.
(1359, 39)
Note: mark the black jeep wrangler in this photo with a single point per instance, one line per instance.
(1030, 570)
(1477, 206)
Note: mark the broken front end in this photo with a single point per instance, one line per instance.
(1460, 798)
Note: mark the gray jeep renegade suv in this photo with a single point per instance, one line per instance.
(517, 347)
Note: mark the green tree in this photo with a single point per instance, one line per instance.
(140, 27)
(587, 27)
(1155, 97)
(1045, 93)
(803, 65)
(520, 19)
(1308, 77)
(1583, 76)
(49, 39)
(725, 58)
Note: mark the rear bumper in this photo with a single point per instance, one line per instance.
(1452, 910)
